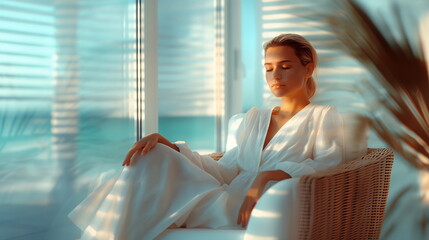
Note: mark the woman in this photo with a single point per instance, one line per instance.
(165, 184)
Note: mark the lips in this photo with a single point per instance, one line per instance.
(277, 85)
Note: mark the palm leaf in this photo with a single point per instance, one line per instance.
(398, 66)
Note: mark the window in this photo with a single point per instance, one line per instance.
(190, 58)
(67, 90)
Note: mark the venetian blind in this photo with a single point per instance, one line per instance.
(190, 57)
(67, 90)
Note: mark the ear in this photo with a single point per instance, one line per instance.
(309, 68)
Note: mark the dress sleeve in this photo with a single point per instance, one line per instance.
(204, 162)
(328, 149)
(226, 168)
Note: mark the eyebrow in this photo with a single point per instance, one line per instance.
(286, 60)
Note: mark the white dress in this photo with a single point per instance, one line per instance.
(165, 187)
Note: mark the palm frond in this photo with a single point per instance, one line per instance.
(398, 66)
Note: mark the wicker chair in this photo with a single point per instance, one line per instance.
(347, 201)
(343, 202)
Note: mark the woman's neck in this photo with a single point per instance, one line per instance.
(290, 106)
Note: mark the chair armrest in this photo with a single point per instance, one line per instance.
(346, 201)
(275, 214)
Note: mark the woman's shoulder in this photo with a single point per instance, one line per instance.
(254, 114)
(317, 110)
(327, 114)
(325, 109)
(255, 110)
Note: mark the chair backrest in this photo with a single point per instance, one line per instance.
(346, 201)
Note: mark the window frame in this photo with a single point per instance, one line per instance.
(228, 81)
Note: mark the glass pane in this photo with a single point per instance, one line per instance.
(187, 72)
(67, 103)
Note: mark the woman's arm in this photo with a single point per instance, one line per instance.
(274, 175)
(256, 191)
(328, 150)
(146, 144)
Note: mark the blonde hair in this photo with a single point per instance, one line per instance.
(303, 50)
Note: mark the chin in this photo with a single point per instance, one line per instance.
(279, 94)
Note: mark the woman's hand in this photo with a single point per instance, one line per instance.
(255, 193)
(250, 200)
(144, 145)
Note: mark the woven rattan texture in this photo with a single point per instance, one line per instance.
(346, 201)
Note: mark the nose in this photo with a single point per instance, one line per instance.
(276, 74)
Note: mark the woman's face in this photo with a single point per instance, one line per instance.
(284, 73)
